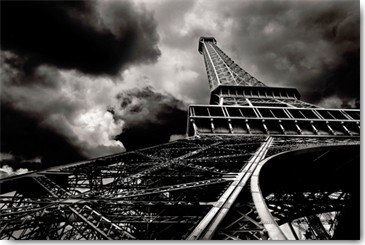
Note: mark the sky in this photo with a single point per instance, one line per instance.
(83, 79)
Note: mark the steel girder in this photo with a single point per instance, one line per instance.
(133, 191)
(150, 192)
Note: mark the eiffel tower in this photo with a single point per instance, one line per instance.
(257, 163)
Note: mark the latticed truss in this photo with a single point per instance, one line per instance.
(174, 191)
(156, 193)
(221, 69)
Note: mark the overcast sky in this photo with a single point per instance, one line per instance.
(85, 79)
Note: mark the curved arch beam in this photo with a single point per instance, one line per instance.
(267, 220)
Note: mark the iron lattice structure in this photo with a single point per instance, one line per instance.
(258, 163)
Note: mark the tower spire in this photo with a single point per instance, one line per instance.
(221, 69)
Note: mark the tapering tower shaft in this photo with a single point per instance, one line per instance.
(221, 69)
(232, 85)
(241, 104)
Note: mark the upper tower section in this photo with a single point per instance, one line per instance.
(242, 105)
(221, 69)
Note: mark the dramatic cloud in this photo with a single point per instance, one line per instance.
(65, 104)
(52, 103)
(25, 137)
(12, 165)
(6, 171)
(92, 37)
(65, 116)
(150, 117)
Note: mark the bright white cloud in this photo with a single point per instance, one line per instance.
(177, 137)
(172, 73)
(6, 171)
(336, 102)
(75, 108)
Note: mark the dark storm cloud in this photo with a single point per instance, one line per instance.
(50, 108)
(311, 45)
(150, 117)
(339, 25)
(92, 37)
(23, 137)
(63, 107)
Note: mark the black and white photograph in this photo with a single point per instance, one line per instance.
(180, 120)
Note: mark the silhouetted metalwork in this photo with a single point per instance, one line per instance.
(258, 163)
